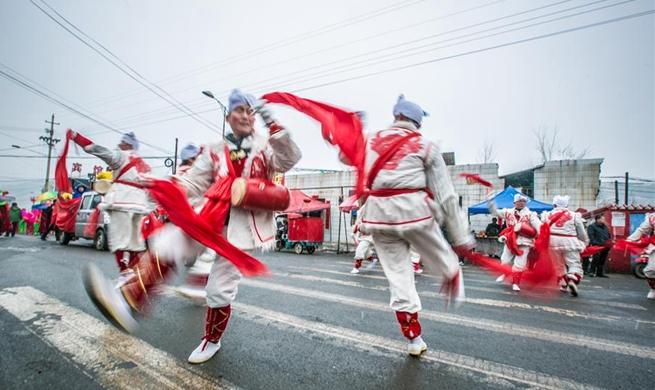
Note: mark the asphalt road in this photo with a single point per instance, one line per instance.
(313, 325)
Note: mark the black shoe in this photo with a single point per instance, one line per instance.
(603, 276)
(591, 275)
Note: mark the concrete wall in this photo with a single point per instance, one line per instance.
(579, 179)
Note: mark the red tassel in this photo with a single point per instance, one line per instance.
(634, 247)
(592, 250)
(510, 240)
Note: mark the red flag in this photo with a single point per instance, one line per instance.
(61, 173)
(339, 127)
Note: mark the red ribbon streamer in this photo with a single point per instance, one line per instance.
(339, 127)
(474, 177)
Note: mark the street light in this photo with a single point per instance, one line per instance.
(211, 96)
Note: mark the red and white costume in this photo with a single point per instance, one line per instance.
(364, 242)
(512, 217)
(247, 230)
(647, 228)
(125, 202)
(568, 237)
(409, 198)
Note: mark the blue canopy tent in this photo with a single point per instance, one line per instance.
(505, 199)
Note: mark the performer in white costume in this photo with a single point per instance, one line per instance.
(364, 249)
(410, 194)
(246, 155)
(568, 237)
(251, 155)
(125, 202)
(525, 225)
(647, 228)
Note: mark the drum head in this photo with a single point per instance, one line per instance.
(238, 191)
(101, 186)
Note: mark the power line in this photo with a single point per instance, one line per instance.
(508, 44)
(73, 157)
(57, 102)
(414, 25)
(288, 41)
(192, 115)
(311, 76)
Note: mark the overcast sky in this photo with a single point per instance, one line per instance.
(458, 59)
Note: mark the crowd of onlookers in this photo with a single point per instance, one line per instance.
(15, 220)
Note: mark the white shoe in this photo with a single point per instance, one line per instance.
(418, 271)
(500, 278)
(354, 271)
(651, 294)
(124, 277)
(417, 346)
(516, 287)
(372, 264)
(197, 294)
(574, 289)
(108, 300)
(204, 352)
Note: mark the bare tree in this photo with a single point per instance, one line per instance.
(488, 153)
(546, 141)
(549, 147)
(569, 153)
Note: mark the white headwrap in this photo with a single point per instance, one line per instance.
(520, 197)
(409, 110)
(238, 98)
(561, 201)
(130, 138)
(189, 151)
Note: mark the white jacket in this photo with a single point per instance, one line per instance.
(568, 233)
(247, 230)
(123, 197)
(417, 165)
(525, 216)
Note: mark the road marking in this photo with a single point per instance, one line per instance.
(114, 359)
(488, 325)
(477, 301)
(458, 364)
(619, 305)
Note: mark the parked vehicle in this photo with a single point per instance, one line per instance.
(302, 234)
(97, 233)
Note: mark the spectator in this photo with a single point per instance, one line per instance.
(599, 235)
(79, 190)
(15, 216)
(493, 229)
(46, 219)
(5, 225)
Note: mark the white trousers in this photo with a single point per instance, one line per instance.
(567, 263)
(393, 251)
(520, 262)
(223, 283)
(650, 267)
(124, 233)
(364, 250)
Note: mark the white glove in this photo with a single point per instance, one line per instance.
(262, 109)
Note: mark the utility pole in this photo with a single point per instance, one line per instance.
(50, 141)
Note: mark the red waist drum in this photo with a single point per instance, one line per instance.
(525, 230)
(259, 195)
